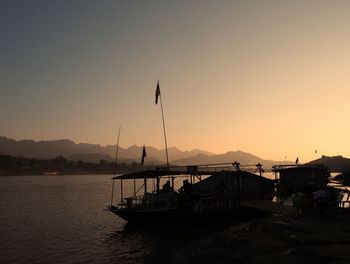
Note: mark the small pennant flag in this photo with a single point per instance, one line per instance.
(157, 92)
(144, 155)
(297, 160)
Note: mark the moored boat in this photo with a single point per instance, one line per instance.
(209, 193)
(303, 178)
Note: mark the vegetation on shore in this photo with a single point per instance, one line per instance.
(27, 166)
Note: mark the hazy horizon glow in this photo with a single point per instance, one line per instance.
(266, 77)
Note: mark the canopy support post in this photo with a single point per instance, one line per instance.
(134, 187)
(158, 179)
(121, 191)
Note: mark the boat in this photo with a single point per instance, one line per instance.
(209, 193)
(305, 178)
(310, 187)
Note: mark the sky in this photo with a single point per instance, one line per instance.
(267, 77)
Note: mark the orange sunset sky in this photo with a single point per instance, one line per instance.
(266, 77)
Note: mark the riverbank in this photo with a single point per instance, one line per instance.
(277, 239)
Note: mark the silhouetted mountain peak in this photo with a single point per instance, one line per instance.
(334, 163)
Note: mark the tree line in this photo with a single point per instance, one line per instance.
(29, 166)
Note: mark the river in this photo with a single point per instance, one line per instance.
(60, 219)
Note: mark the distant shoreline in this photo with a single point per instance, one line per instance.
(57, 175)
(19, 166)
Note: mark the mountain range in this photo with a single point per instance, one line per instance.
(94, 153)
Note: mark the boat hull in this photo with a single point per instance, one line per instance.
(185, 216)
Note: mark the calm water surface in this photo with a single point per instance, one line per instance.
(60, 219)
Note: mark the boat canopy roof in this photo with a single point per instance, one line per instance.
(206, 170)
(152, 174)
(278, 168)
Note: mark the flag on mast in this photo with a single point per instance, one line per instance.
(144, 154)
(157, 92)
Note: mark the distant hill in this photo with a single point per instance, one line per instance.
(96, 158)
(49, 149)
(243, 158)
(134, 152)
(88, 152)
(94, 153)
(334, 163)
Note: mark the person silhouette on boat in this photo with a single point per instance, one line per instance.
(187, 188)
(185, 194)
(166, 187)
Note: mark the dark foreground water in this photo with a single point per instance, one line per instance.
(60, 219)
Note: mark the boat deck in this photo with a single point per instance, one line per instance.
(269, 206)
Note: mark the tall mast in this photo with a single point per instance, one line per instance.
(158, 93)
